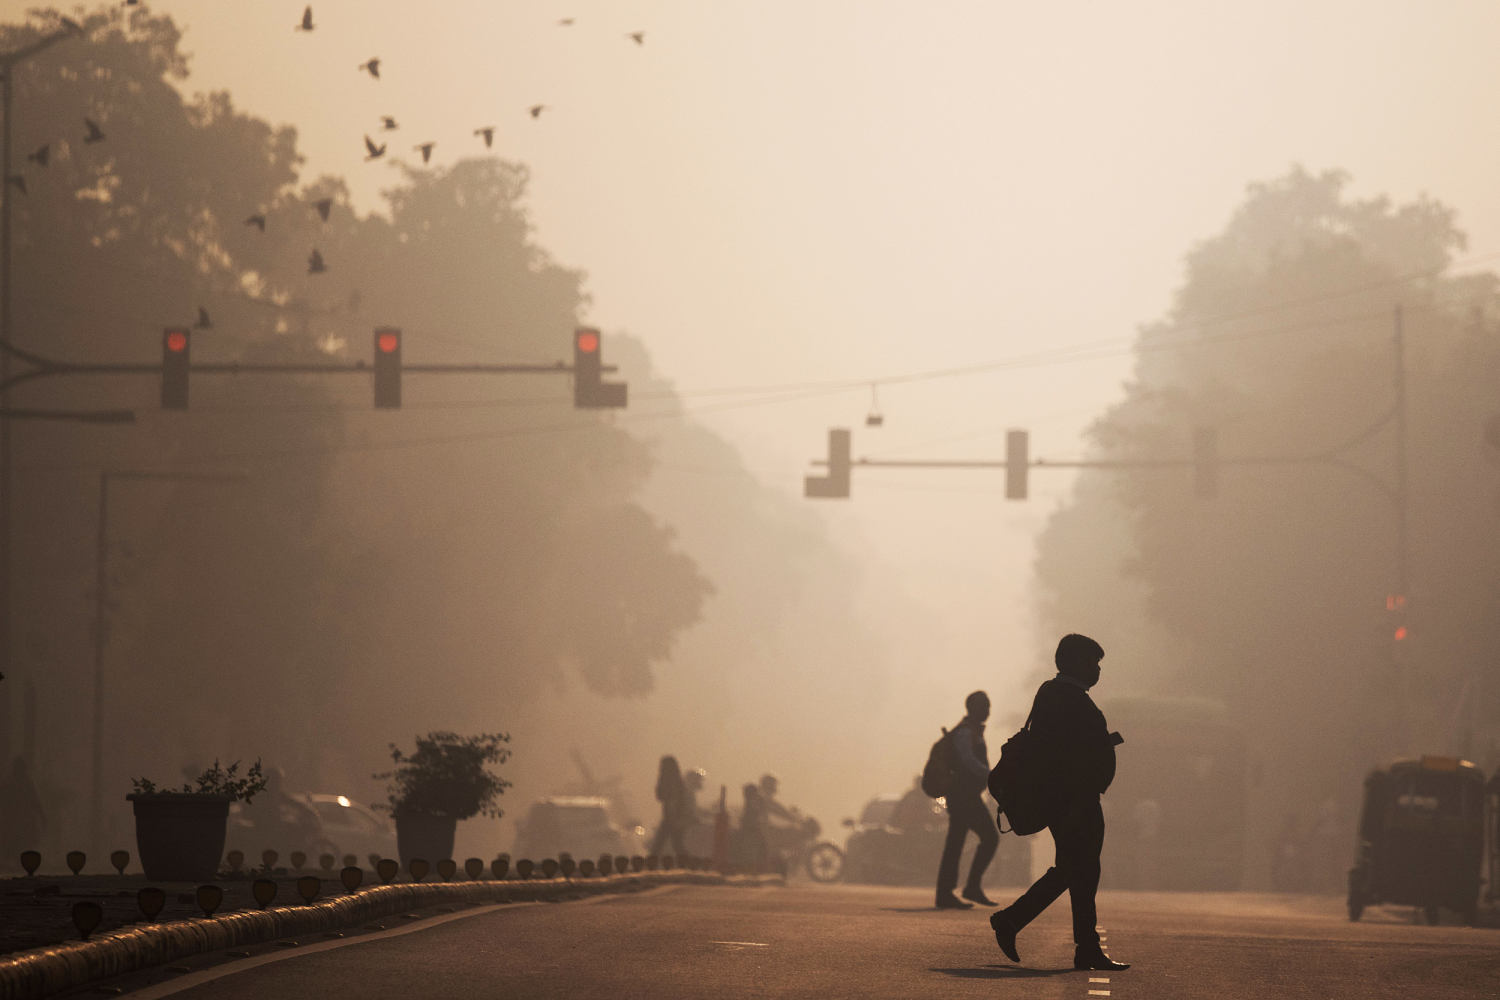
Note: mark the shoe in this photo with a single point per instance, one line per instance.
(1093, 958)
(948, 901)
(978, 896)
(1005, 934)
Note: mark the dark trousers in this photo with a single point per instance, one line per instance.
(1079, 836)
(966, 812)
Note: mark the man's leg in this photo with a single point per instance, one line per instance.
(953, 848)
(978, 818)
(1042, 892)
(1078, 848)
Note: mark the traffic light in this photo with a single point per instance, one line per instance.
(1017, 464)
(835, 485)
(1206, 461)
(590, 392)
(387, 368)
(1396, 605)
(175, 342)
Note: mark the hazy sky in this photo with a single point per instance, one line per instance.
(785, 192)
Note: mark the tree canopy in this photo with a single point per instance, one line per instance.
(1272, 595)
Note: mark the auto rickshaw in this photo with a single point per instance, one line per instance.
(1421, 838)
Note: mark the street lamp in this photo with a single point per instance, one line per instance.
(101, 599)
(8, 63)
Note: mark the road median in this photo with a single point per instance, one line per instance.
(43, 972)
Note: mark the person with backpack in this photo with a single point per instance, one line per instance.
(966, 810)
(1075, 757)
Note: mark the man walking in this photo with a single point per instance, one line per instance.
(1077, 753)
(966, 810)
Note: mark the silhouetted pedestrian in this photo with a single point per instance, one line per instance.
(671, 792)
(1077, 752)
(754, 851)
(966, 809)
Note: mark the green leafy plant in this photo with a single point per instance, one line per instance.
(224, 782)
(447, 776)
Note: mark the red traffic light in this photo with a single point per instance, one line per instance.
(1400, 632)
(176, 341)
(588, 341)
(388, 341)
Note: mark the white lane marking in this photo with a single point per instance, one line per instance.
(744, 944)
(187, 982)
(1092, 980)
(1098, 993)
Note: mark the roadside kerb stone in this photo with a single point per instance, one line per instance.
(43, 972)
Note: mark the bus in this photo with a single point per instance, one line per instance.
(1175, 815)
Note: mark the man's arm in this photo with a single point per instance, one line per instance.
(963, 749)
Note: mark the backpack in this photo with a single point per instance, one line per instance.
(1016, 784)
(937, 776)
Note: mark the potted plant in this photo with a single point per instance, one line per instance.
(179, 834)
(443, 781)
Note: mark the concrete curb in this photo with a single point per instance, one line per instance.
(43, 972)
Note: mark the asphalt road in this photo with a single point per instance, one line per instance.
(852, 941)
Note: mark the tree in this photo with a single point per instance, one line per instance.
(374, 568)
(1272, 595)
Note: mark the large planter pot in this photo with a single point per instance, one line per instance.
(426, 837)
(180, 838)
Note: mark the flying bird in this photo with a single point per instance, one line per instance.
(387, 122)
(639, 37)
(18, 181)
(426, 149)
(323, 205)
(306, 24)
(565, 21)
(537, 109)
(489, 135)
(372, 67)
(373, 149)
(258, 220)
(95, 134)
(40, 156)
(315, 263)
(204, 322)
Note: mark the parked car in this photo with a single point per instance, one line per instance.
(576, 824)
(353, 827)
(886, 847)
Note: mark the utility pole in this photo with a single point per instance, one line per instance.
(101, 631)
(8, 64)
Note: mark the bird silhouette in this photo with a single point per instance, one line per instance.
(95, 134)
(323, 205)
(537, 109)
(18, 181)
(426, 149)
(565, 21)
(372, 67)
(639, 37)
(489, 135)
(373, 149)
(387, 122)
(204, 323)
(315, 263)
(258, 220)
(306, 23)
(40, 156)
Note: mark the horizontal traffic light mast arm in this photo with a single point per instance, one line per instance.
(47, 367)
(1042, 463)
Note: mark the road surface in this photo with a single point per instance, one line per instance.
(861, 942)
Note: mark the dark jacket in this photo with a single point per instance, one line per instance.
(971, 757)
(1073, 742)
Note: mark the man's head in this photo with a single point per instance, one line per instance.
(769, 786)
(1078, 656)
(978, 706)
